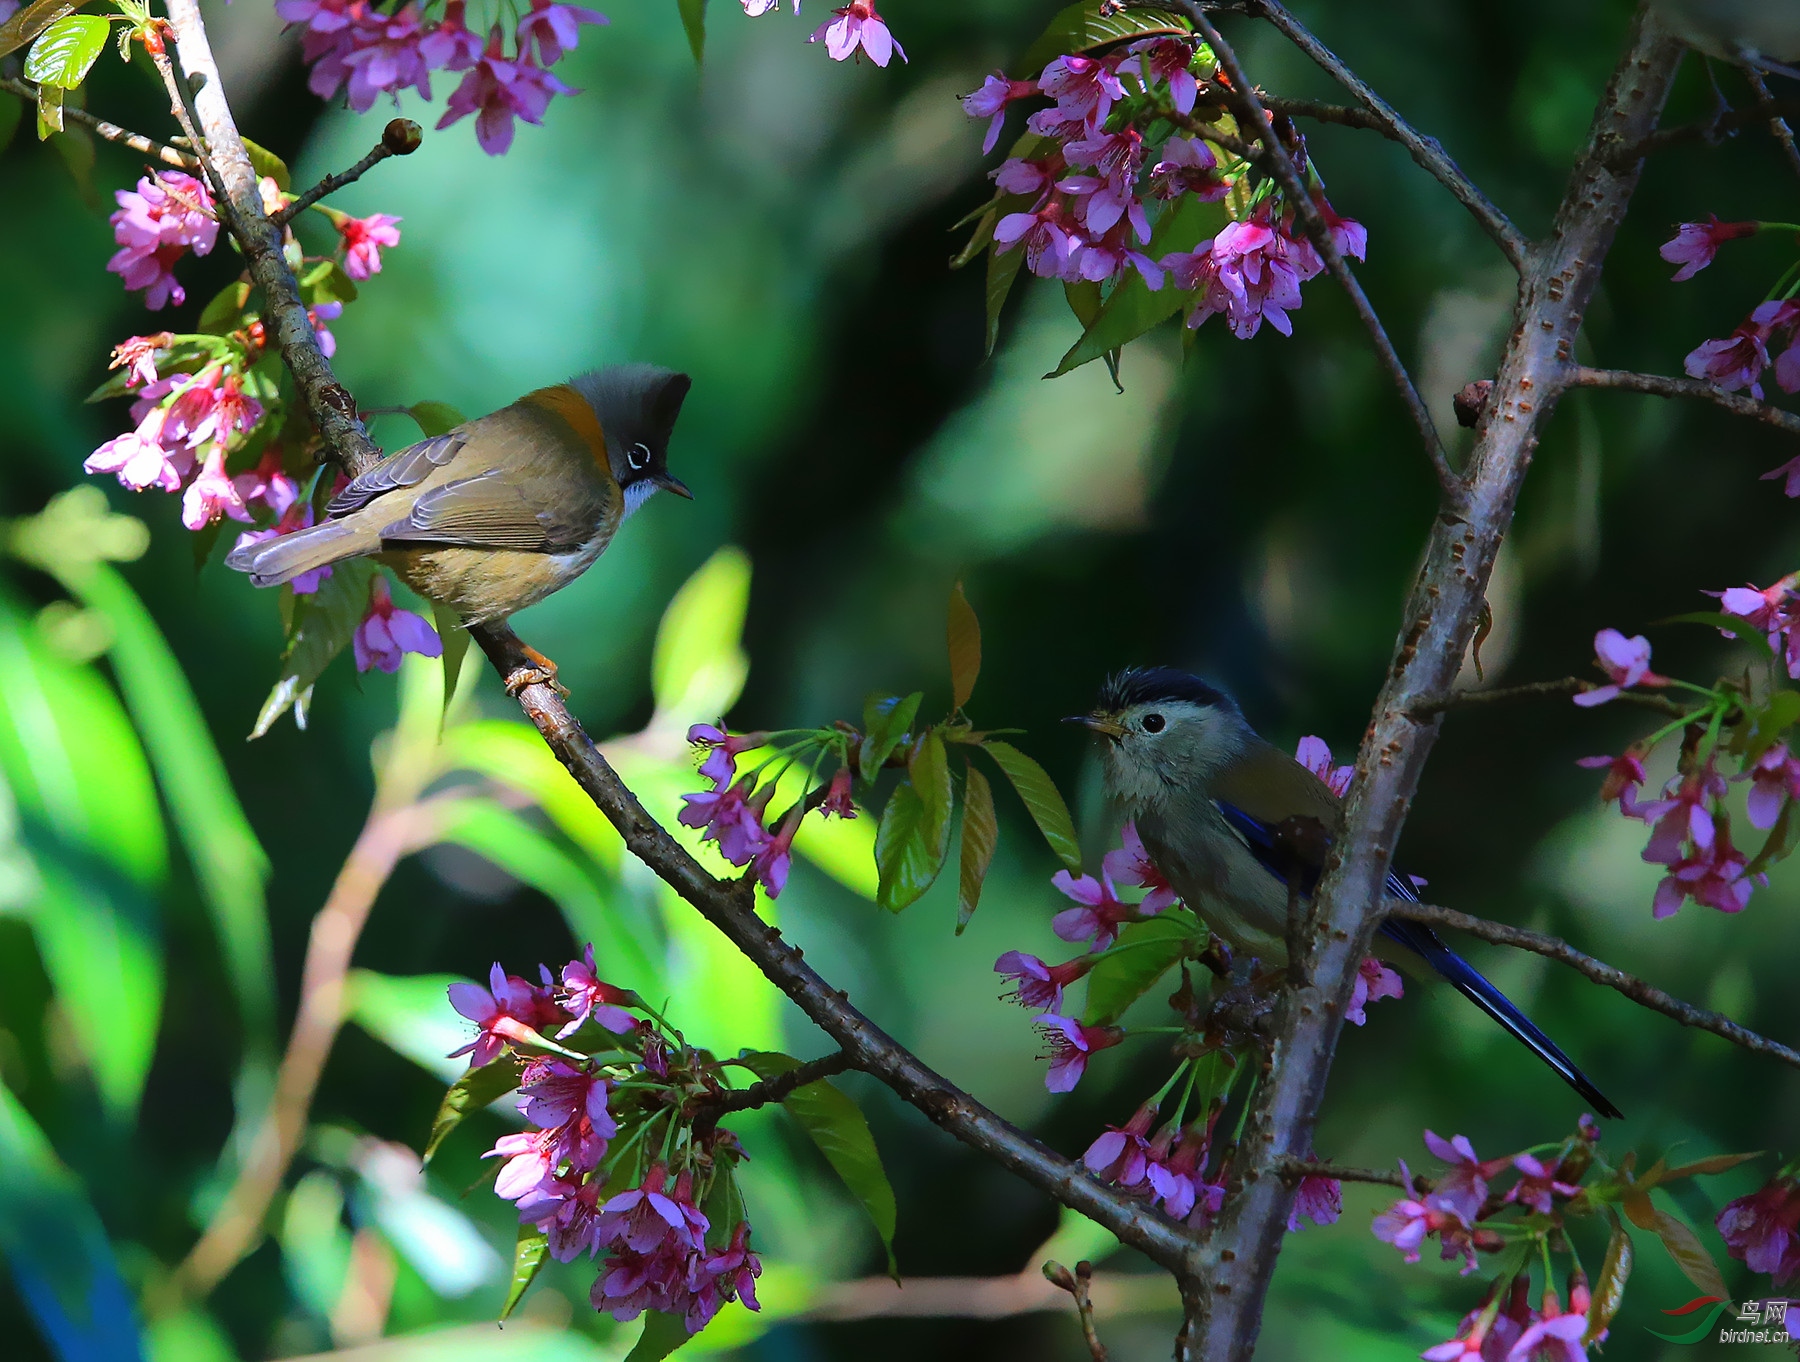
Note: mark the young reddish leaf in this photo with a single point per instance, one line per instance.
(1683, 1244)
(27, 23)
(980, 833)
(1718, 1163)
(1042, 801)
(907, 862)
(1144, 952)
(886, 720)
(965, 647)
(1089, 24)
(473, 1091)
(662, 1335)
(1609, 1286)
(528, 1257)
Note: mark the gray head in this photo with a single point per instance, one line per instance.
(637, 405)
(1163, 730)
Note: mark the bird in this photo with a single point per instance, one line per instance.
(1764, 34)
(1210, 798)
(495, 514)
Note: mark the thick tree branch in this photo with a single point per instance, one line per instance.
(1440, 620)
(1645, 995)
(111, 132)
(1253, 119)
(1424, 150)
(1658, 385)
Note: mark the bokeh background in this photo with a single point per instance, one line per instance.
(778, 225)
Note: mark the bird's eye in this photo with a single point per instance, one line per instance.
(1153, 723)
(638, 456)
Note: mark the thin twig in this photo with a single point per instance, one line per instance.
(1778, 124)
(707, 1112)
(111, 132)
(1254, 119)
(1658, 385)
(1112, 1294)
(1532, 690)
(1296, 1169)
(1424, 150)
(1077, 1284)
(1645, 995)
(400, 138)
(1708, 131)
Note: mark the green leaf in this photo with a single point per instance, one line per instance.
(1609, 1286)
(698, 668)
(455, 638)
(965, 648)
(62, 1266)
(984, 218)
(528, 1256)
(929, 773)
(435, 418)
(326, 282)
(324, 623)
(886, 720)
(30, 21)
(1144, 952)
(49, 111)
(268, 165)
(1002, 272)
(837, 1126)
(1683, 1244)
(662, 1335)
(473, 1091)
(226, 310)
(1133, 308)
(1085, 25)
(1767, 725)
(513, 754)
(1782, 838)
(1042, 801)
(1732, 626)
(980, 833)
(66, 50)
(693, 21)
(907, 862)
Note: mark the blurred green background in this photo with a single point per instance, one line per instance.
(777, 225)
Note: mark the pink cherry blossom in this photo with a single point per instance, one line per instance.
(1374, 981)
(1131, 864)
(1101, 199)
(731, 1273)
(838, 802)
(449, 45)
(1084, 88)
(1187, 167)
(991, 101)
(1167, 60)
(1315, 755)
(385, 57)
(1317, 1198)
(722, 750)
(1712, 875)
(1099, 915)
(729, 818)
(1067, 1046)
(1762, 1230)
(1537, 1184)
(553, 1092)
(165, 217)
(631, 1283)
(505, 1010)
(1626, 661)
(1118, 1155)
(137, 356)
(1774, 779)
(1035, 177)
(1738, 360)
(387, 633)
(1773, 610)
(555, 29)
(584, 994)
(1179, 1183)
(497, 90)
(148, 456)
(1695, 243)
(1036, 984)
(1404, 1225)
(1552, 1340)
(1624, 774)
(776, 857)
(647, 1218)
(1250, 272)
(212, 494)
(363, 239)
(1464, 1187)
(1045, 233)
(857, 26)
(566, 1209)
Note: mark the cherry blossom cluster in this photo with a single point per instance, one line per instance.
(1690, 825)
(1738, 360)
(357, 48)
(1762, 1230)
(208, 418)
(734, 814)
(608, 1098)
(855, 30)
(1119, 152)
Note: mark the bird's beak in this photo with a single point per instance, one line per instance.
(670, 483)
(1098, 723)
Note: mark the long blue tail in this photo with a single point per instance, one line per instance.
(1422, 941)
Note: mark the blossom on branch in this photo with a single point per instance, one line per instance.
(1131, 864)
(1068, 1044)
(1374, 981)
(496, 90)
(1100, 911)
(991, 101)
(165, 217)
(363, 239)
(857, 27)
(1626, 662)
(1762, 1230)
(1696, 243)
(387, 633)
(554, 29)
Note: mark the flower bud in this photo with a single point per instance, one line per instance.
(401, 137)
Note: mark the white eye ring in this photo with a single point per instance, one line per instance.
(638, 457)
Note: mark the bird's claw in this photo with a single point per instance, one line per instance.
(540, 671)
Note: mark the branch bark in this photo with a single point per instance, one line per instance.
(1657, 385)
(110, 132)
(1440, 619)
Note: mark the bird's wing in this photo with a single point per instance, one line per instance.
(1277, 856)
(485, 511)
(405, 468)
(1269, 785)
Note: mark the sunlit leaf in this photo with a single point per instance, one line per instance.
(513, 754)
(327, 282)
(529, 1252)
(836, 1124)
(268, 165)
(964, 632)
(473, 1091)
(324, 623)
(1609, 1286)
(49, 111)
(1089, 24)
(693, 22)
(455, 639)
(886, 720)
(32, 20)
(907, 860)
(1042, 800)
(1683, 1244)
(699, 666)
(435, 418)
(662, 1335)
(980, 833)
(1144, 952)
(66, 49)
(224, 313)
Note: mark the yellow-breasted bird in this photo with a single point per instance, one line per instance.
(496, 514)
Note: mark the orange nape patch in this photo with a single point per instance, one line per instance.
(562, 400)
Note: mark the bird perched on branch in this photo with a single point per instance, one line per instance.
(1764, 34)
(1231, 820)
(499, 512)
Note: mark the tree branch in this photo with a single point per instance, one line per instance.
(1294, 1170)
(400, 138)
(1532, 690)
(1077, 1284)
(1778, 124)
(1253, 118)
(1709, 131)
(1645, 995)
(1425, 151)
(708, 1112)
(1440, 620)
(111, 132)
(1659, 386)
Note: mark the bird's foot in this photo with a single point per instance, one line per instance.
(540, 672)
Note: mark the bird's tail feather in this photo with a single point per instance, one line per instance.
(1475, 986)
(278, 560)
